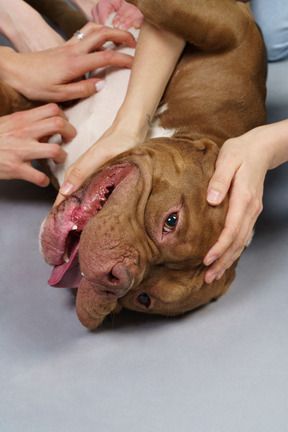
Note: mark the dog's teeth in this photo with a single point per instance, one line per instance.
(75, 227)
(65, 257)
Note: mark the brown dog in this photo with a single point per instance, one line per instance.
(136, 234)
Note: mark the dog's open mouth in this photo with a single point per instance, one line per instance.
(62, 228)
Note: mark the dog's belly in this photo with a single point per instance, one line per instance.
(93, 116)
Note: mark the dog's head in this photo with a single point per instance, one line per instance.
(137, 233)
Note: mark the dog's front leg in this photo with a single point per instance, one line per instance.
(209, 25)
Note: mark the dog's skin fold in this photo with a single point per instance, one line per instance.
(140, 227)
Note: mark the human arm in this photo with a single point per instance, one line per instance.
(61, 14)
(25, 28)
(24, 137)
(156, 51)
(50, 75)
(241, 167)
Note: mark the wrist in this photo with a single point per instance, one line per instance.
(277, 140)
(134, 122)
(6, 72)
(272, 142)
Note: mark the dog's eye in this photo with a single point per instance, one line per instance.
(144, 300)
(170, 223)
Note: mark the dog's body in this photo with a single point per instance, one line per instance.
(144, 250)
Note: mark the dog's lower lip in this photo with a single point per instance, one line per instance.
(104, 293)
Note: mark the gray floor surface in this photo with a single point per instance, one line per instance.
(221, 368)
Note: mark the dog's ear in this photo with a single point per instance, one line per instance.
(200, 293)
(210, 151)
(203, 150)
(206, 293)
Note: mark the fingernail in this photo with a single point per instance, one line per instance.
(210, 260)
(66, 188)
(211, 278)
(213, 196)
(99, 85)
(220, 274)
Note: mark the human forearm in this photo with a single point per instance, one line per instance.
(61, 14)
(275, 140)
(156, 55)
(25, 28)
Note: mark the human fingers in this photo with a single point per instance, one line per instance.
(227, 165)
(244, 208)
(101, 11)
(94, 36)
(89, 162)
(85, 88)
(20, 119)
(128, 16)
(231, 254)
(83, 168)
(104, 58)
(104, 34)
(16, 164)
(108, 146)
(83, 33)
(29, 173)
(50, 126)
(47, 151)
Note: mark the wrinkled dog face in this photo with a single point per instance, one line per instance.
(137, 234)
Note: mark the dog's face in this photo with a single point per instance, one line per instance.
(137, 233)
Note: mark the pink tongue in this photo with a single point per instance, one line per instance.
(67, 275)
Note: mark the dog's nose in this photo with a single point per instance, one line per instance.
(112, 283)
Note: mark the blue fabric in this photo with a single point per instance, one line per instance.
(272, 17)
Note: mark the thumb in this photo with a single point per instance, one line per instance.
(221, 180)
(73, 181)
(101, 12)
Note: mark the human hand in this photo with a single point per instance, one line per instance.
(114, 141)
(127, 15)
(241, 167)
(23, 138)
(50, 75)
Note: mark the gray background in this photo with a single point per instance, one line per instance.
(221, 368)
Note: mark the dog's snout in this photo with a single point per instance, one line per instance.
(114, 282)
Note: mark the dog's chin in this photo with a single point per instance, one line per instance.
(61, 231)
